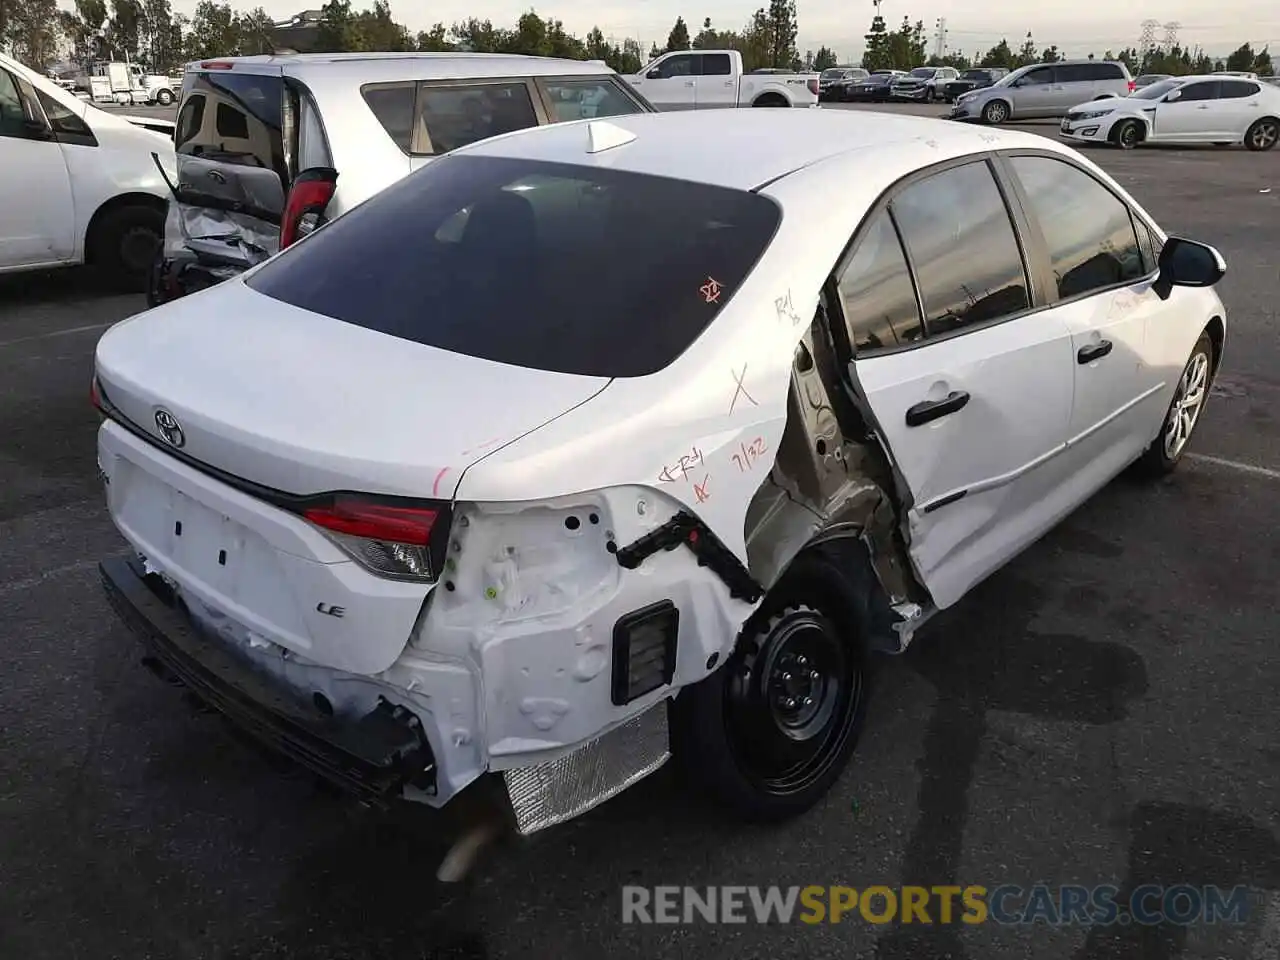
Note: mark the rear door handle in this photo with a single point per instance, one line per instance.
(929, 410)
(1095, 351)
(1203, 106)
(688, 83)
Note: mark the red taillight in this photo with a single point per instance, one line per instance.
(216, 65)
(304, 210)
(371, 520)
(95, 395)
(1133, 85)
(813, 86)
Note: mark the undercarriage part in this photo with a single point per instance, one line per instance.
(686, 529)
(548, 793)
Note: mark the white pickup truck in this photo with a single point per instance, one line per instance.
(709, 79)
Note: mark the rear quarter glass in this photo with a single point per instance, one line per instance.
(557, 267)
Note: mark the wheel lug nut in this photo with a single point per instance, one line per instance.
(786, 678)
(813, 674)
(801, 660)
(808, 701)
(790, 703)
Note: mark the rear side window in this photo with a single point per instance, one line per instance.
(1102, 71)
(1075, 73)
(458, 115)
(394, 108)
(876, 291)
(1089, 231)
(580, 98)
(557, 267)
(963, 248)
(1234, 89)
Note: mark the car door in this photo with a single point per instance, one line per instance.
(1189, 115)
(671, 83)
(1100, 289)
(1073, 84)
(1238, 105)
(969, 386)
(715, 86)
(37, 215)
(1033, 95)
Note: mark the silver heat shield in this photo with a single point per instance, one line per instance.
(549, 793)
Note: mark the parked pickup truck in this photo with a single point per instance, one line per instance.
(707, 79)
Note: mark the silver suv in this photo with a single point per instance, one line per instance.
(269, 148)
(1044, 90)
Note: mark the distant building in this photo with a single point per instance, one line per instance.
(298, 33)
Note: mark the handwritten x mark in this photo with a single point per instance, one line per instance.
(741, 391)
(700, 489)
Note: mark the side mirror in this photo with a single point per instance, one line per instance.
(1173, 95)
(1186, 263)
(655, 73)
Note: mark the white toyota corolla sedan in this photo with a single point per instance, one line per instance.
(608, 441)
(1214, 109)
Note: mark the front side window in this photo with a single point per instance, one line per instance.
(560, 267)
(682, 65)
(14, 113)
(581, 98)
(1036, 77)
(1088, 230)
(1208, 90)
(459, 115)
(963, 248)
(876, 292)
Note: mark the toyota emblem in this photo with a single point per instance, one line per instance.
(170, 429)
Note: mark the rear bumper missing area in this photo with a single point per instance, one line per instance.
(383, 754)
(374, 757)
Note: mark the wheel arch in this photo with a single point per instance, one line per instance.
(770, 97)
(1217, 330)
(118, 202)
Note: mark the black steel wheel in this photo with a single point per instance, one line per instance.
(771, 731)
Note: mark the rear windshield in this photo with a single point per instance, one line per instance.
(233, 118)
(552, 266)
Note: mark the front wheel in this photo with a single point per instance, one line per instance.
(995, 112)
(770, 732)
(124, 245)
(1262, 134)
(1128, 134)
(164, 98)
(1183, 415)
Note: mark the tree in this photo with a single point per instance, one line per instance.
(214, 31)
(906, 45)
(338, 31)
(1242, 58)
(782, 29)
(480, 36)
(998, 56)
(377, 30)
(1026, 53)
(876, 54)
(824, 59)
(678, 38)
(29, 29)
(1050, 54)
(1262, 64)
(435, 40)
(254, 33)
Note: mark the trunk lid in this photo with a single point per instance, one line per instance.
(304, 404)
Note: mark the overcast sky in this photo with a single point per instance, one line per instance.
(1218, 27)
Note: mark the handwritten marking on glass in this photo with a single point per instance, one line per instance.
(740, 390)
(749, 454)
(711, 290)
(700, 490)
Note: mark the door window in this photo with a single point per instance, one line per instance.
(963, 249)
(716, 65)
(876, 292)
(64, 122)
(1207, 90)
(682, 65)
(191, 119)
(1088, 229)
(1036, 77)
(14, 111)
(458, 115)
(581, 98)
(1075, 73)
(394, 108)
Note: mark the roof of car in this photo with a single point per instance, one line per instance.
(389, 67)
(744, 149)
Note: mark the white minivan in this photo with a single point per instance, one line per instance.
(80, 185)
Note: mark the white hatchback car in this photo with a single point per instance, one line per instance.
(1214, 109)
(579, 447)
(77, 184)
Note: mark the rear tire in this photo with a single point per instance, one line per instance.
(770, 732)
(771, 100)
(124, 245)
(1262, 134)
(164, 98)
(1184, 413)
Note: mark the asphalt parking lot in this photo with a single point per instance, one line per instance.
(1103, 711)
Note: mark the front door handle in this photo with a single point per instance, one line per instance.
(1203, 106)
(688, 83)
(929, 410)
(1095, 351)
